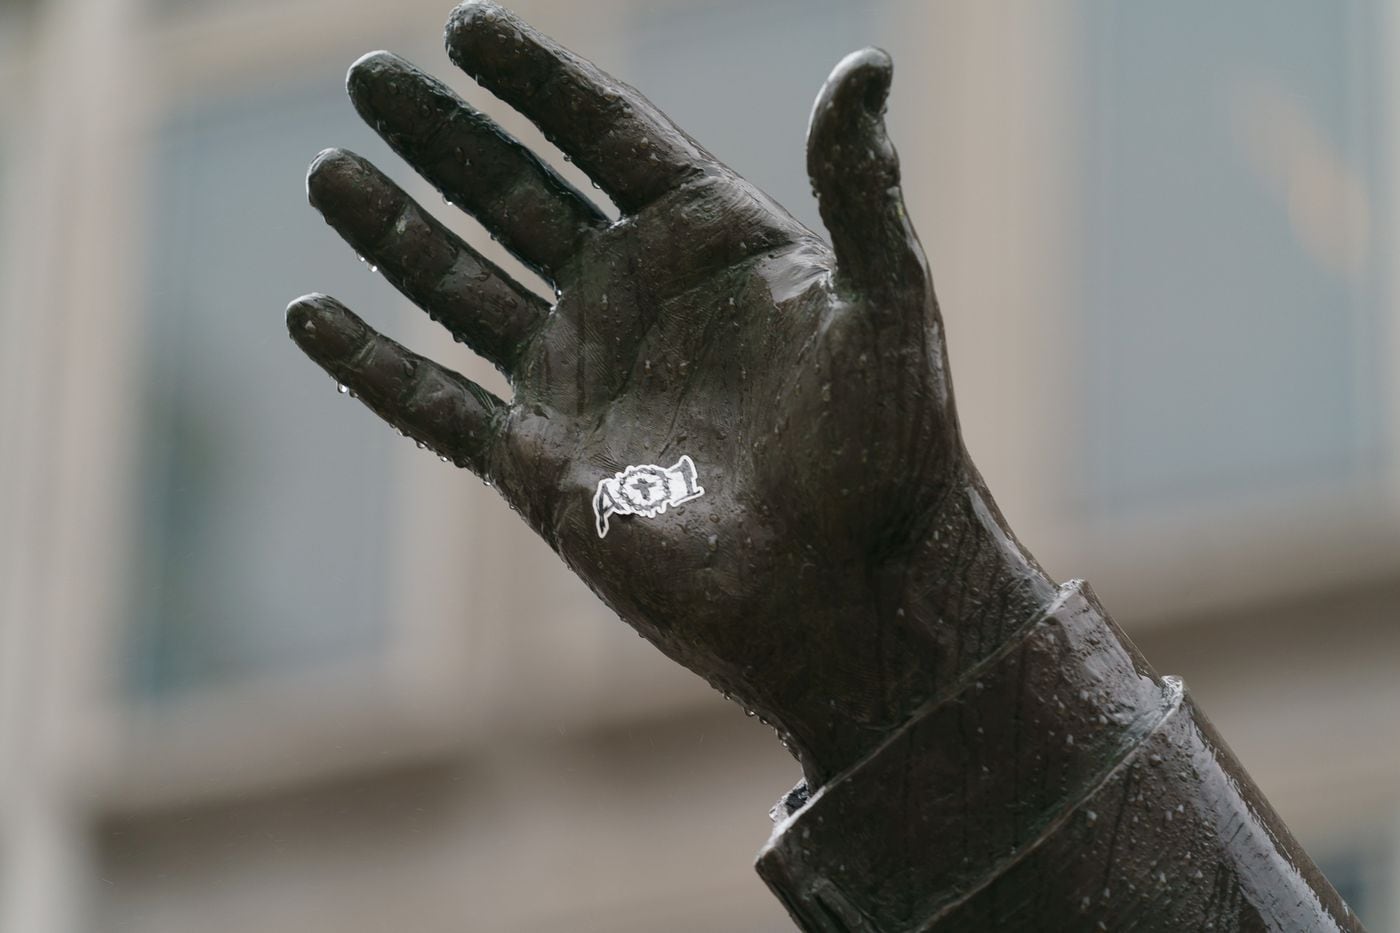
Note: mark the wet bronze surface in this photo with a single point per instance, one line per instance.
(845, 573)
(1062, 786)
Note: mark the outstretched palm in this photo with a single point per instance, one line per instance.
(809, 391)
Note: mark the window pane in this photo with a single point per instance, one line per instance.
(7, 208)
(1362, 875)
(1234, 248)
(16, 20)
(787, 48)
(4, 200)
(265, 495)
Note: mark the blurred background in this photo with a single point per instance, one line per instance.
(266, 666)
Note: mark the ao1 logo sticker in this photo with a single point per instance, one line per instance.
(646, 490)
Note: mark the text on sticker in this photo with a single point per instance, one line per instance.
(646, 490)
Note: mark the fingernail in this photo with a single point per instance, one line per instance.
(473, 13)
(324, 328)
(352, 196)
(332, 173)
(375, 81)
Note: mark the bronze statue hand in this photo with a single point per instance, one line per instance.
(809, 534)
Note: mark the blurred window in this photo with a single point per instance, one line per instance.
(1235, 309)
(786, 47)
(4, 194)
(194, 6)
(1362, 875)
(265, 500)
(7, 179)
(16, 17)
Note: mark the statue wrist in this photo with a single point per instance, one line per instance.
(931, 613)
(1062, 779)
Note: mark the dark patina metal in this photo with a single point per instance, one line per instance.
(981, 748)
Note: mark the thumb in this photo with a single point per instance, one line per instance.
(855, 176)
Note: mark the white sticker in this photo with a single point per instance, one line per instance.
(645, 490)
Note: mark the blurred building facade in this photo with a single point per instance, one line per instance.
(265, 665)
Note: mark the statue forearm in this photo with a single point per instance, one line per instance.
(1017, 765)
(1060, 785)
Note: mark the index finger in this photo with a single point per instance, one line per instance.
(625, 144)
